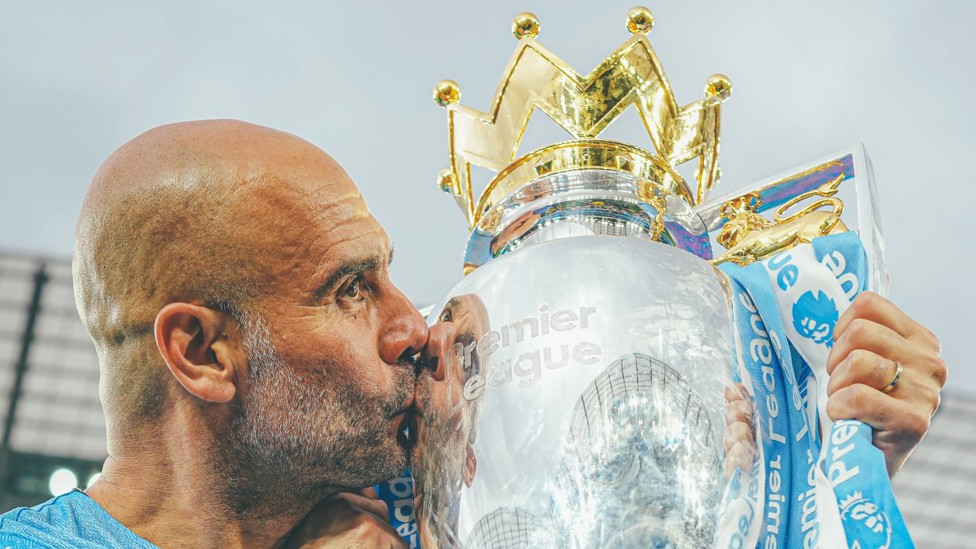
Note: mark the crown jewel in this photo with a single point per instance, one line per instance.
(583, 106)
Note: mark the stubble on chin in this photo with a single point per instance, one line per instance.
(297, 437)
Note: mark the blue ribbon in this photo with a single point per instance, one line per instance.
(854, 467)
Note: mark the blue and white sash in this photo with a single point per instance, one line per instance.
(833, 495)
(398, 494)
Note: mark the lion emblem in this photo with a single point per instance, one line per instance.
(814, 317)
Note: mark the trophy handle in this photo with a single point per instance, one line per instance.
(822, 189)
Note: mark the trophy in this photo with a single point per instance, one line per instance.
(584, 385)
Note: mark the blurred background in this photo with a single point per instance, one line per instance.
(79, 79)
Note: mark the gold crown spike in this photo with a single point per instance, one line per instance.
(584, 106)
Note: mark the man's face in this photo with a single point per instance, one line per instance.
(330, 380)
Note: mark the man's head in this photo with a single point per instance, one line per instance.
(233, 273)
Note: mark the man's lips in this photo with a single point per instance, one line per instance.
(408, 411)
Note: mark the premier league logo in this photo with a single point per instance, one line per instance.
(814, 317)
(857, 508)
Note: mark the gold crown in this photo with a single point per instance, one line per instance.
(584, 107)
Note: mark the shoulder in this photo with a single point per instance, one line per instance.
(70, 520)
(29, 527)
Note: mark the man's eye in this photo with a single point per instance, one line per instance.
(352, 290)
(446, 316)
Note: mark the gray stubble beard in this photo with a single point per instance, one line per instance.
(297, 438)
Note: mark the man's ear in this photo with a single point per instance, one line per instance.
(201, 348)
(470, 466)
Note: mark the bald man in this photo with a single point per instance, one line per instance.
(255, 356)
(256, 359)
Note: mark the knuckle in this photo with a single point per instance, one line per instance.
(867, 298)
(937, 401)
(865, 301)
(858, 328)
(857, 396)
(940, 371)
(833, 360)
(844, 402)
(836, 410)
(934, 402)
(931, 397)
(862, 359)
(931, 339)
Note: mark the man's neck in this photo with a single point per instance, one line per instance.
(170, 493)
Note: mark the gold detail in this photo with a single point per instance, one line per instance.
(657, 228)
(447, 92)
(543, 168)
(584, 106)
(489, 221)
(445, 180)
(525, 25)
(625, 163)
(645, 191)
(640, 20)
(718, 85)
(590, 154)
(742, 219)
(825, 191)
(750, 237)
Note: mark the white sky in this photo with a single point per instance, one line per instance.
(77, 79)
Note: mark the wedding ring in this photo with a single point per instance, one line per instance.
(894, 381)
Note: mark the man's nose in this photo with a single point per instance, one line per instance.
(404, 332)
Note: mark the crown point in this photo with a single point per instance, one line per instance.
(445, 180)
(525, 25)
(447, 92)
(640, 20)
(718, 85)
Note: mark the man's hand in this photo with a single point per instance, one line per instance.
(871, 339)
(347, 520)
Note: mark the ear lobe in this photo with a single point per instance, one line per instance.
(191, 339)
(470, 466)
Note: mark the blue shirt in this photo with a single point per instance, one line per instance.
(69, 521)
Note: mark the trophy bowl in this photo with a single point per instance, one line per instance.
(576, 397)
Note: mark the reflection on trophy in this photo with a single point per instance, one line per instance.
(446, 428)
(578, 382)
(634, 427)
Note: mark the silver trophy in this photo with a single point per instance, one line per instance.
(578, 380)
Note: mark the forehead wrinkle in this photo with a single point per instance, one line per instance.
(291, 199)
(300, 218)
(307, 211)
